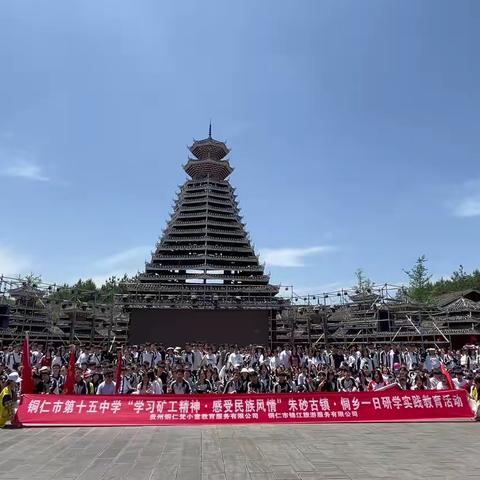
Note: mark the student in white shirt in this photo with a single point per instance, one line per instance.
(83, 357)
(197, 358)
(146, 357)
(189, 355)
(409, 359)
(284, 357)
(125, 384)
(36, 356)
(465, 359)
(347, 383)
(437, 382)
(57, 360)
(432, 362)
(14, 359)
(235, 359)
(149, 385)
(302, 378)
(209, 358)
(107, 387)
(460, 382)
(273, 361)
(96, 356)
(179, 386)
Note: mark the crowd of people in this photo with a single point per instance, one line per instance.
(203, 368)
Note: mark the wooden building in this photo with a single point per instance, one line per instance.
(204, 257)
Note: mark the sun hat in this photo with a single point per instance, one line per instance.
(14, 377)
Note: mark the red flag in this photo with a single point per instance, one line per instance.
(118, 376)
(27, 381)
(447, 375)
(70, 380)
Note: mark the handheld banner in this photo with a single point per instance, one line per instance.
(386, 406)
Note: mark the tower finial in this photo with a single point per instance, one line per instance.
(210, 129)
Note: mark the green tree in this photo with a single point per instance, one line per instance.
(112, 287)
(459, 280)
(419, 287)
(87, 291)
(459, 275)
(81, 291)
(363, 282)
(32, 279)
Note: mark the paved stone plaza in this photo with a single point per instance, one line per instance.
(261, 452)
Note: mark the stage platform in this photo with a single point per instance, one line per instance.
(174, 326)
(264, 452)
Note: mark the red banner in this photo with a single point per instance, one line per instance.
(386, 406)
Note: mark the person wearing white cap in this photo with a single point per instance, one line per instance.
(177, 355)
(7, 411)
(244, 378)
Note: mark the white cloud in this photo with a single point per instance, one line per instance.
(12, 263)
(129, 261)
(125, 258)
(99, 280)
(19, 163)
(467, 203)
(27, 169)
(291, 257)
(468, 207)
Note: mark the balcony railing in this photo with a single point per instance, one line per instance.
(205, 215)
(192, 287)
(203, 276)
(206, 266)
(206, 238)
(208, 192)
(208, 195)
(218, 258)
(204, 246)
(190, 188)
(214, 223)
(208, 207)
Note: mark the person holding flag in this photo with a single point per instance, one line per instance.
(27, 380)
(118, 373)
(448, 378)
(70, 380)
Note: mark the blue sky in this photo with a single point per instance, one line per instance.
(354, 129)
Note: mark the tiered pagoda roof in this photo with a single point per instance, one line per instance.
(205, 250)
